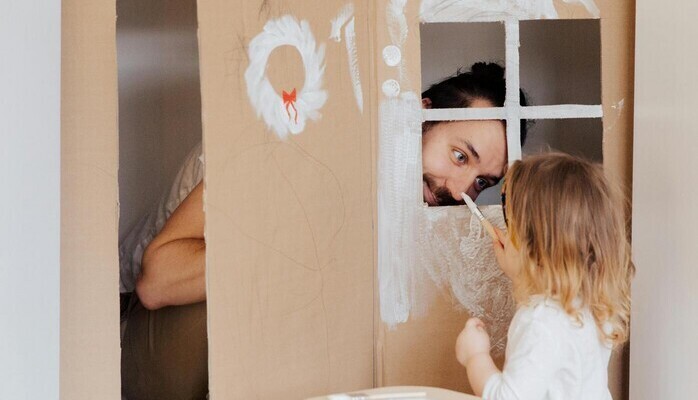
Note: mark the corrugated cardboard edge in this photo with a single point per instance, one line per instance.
(90, 354)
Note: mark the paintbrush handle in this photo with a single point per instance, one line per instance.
(489, 228)
(476, 211)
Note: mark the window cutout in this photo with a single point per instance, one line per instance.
(579, 137)
(446, 50)
(560, 61)
(448, 47)
(558, 64)
(160, 164)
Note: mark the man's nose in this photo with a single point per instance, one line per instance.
(462, 182)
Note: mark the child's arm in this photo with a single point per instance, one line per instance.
(480, 369)
(533, 358)
(473, 352)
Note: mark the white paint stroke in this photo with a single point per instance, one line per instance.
(418, 246)
(391, 88)
(354, 73)
(392, 56)
(399, 204)
(513, 99)
(455, 253)
(397, 30)
(494, 10)
(562, 111)
(559, 111)
(619, 111)
(455, 114)
(590, 5)
(340, 20)
(397, 22)
(266, 101)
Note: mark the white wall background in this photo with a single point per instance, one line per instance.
(664, 334)
(159, 99)
(559, 64)
(30, 44)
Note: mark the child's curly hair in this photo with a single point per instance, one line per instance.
(568, 224)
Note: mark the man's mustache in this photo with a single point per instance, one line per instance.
(442, 194)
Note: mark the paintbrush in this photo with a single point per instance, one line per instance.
(383, 396)
(484, 221)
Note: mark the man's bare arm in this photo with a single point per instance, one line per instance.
(172, 271)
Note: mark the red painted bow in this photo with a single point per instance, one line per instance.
(289, 101)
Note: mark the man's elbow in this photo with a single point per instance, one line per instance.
(149, 292)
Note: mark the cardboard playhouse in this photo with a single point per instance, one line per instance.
(325, 272)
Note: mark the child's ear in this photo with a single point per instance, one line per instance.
(426, 102)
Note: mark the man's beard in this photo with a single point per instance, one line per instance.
(442, 195)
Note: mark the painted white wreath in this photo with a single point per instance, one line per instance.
(287, 112)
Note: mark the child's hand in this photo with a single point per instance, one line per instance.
(506, 254)
(472, 340)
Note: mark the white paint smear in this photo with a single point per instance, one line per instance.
(284, 116)
(619, 111)
(513, 98)
(399, 204)
(423, 246)
(454, 114)
(397, 30)
(456, 254)
(397, 22)
(392, 56)
(340, 20)
(420, 246)
(353, 56)
(562, 111)
(494, 10)
(391, 88)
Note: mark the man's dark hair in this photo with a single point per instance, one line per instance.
(483, 81)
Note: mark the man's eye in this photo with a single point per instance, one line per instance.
(481, 183)
(460, 157)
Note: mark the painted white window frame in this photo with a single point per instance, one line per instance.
(512, 111)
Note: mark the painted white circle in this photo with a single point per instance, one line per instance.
(280, 113)
(391, 88)
(392, 55)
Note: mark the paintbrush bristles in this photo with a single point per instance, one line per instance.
(472, 206)
(476, 211)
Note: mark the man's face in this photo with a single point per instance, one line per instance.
(462, 156)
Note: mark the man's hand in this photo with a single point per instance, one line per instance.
(472, 340)
(507, 255)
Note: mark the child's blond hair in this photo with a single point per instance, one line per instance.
(568, 224)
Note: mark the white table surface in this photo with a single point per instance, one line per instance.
(432, 393)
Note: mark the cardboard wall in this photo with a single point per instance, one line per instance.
(90, 355)
(289, 223)
(289, 229)
(409, 354)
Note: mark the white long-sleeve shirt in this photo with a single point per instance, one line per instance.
(550, 356)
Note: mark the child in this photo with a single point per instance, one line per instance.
(568, 257)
